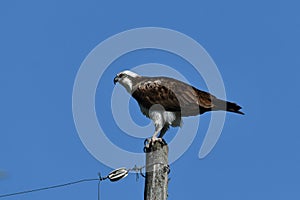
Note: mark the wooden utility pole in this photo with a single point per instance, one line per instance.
(157, 169)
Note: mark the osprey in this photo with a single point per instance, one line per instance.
(165, 100)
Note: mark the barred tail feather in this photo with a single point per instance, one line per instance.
(227, 106)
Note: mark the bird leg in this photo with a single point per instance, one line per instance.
(154, 138)
(150, 141)
(163, 131)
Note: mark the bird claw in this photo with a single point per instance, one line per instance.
(150, 141)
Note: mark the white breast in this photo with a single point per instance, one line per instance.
(161, 117)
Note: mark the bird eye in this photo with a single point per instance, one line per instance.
(121, 75)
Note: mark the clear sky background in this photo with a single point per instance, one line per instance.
(255, 45)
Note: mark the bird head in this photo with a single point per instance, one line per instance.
(126, 78)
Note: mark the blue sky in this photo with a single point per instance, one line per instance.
(254, 44)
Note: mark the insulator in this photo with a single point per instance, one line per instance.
(118, 174)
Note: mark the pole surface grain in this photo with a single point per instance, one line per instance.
(157, 169)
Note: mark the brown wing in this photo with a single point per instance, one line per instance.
(173, 95)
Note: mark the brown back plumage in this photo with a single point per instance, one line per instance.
(176, 96)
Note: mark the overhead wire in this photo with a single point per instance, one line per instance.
(113, 176)
(49, 187)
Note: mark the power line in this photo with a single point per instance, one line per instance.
(50, 187)
(113, 176)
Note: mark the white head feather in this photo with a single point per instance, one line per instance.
(125, 79)
(130, 73)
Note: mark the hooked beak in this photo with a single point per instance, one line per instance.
(116, 79)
